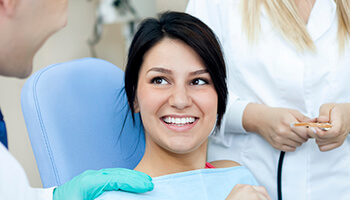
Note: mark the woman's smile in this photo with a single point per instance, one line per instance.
(183, 123)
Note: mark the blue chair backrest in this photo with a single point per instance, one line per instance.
(77, 117)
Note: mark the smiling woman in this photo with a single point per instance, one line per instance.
(177, 101)
(176, 78)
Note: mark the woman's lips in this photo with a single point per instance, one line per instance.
(179, 123)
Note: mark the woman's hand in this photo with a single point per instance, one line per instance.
(242, 192)
(338, 115)
(273, 124)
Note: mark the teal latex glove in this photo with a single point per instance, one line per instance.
(91, 184)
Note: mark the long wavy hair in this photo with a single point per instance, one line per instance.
(285, 16)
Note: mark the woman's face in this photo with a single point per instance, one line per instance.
(176, 97)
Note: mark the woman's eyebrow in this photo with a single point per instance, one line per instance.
(159, 69)
(167, 71)
(198, 72)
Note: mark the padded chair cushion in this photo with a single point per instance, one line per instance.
(77, 117)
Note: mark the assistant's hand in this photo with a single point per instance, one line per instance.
(248, 192)
(91, 184)
(273, 124)
(339, 116)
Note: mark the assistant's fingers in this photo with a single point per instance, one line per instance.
(322, 134)
(312, 132)
(329, 140)
(293, 140)
(262, 192)
(325, 111)
(329, 147)
(287, 148)
(284, 144)
(300, 134)
(312, 120)
(322, 142)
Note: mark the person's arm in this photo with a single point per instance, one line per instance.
(273, 124)
(338, 115)
(91, 184)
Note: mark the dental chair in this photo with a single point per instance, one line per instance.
(77, 117)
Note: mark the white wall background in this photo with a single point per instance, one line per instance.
(69, 43)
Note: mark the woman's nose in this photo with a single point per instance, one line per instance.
(180, 98)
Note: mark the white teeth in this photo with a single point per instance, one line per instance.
(179, 121)
(183, 120)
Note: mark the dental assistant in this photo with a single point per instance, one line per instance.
(24, 27)
(288, 61)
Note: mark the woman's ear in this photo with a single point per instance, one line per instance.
(136, 106)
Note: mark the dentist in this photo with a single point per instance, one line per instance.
(24, 27)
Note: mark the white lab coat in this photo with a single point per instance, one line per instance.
(275, 74)
(14, 184)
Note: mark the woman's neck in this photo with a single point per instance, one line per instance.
(305, 7)
(158, 161)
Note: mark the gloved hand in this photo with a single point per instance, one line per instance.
(91, 184)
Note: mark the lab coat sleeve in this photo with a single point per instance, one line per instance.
(234, 114)
(214, 14)
(43, 193)
(14, 183)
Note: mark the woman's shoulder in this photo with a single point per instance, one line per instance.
(224, 163)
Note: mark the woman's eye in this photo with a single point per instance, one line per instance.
(159, 81)
(199, 81)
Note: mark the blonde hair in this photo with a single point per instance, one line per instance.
(285, 16)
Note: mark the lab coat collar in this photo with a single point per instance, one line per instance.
(321, 17)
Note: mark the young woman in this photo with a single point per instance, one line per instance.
(176, 78)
